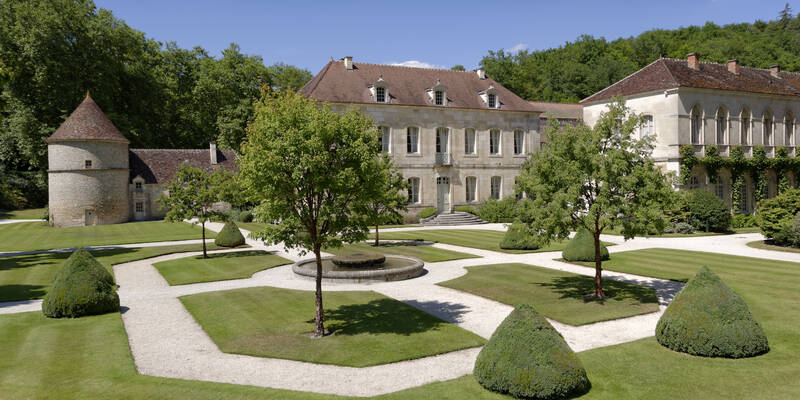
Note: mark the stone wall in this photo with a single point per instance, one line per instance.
(88, 197)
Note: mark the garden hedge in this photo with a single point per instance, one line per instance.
(229, 236)
(427, 212)
(709, 319)
(581, 248)
(519, 237)
(527, 358)
(775, 215)
(82, 286)
(703, 208)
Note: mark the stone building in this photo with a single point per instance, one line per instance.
(700, 104)
(458, 137)
(94, 179)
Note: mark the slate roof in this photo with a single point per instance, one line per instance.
(559, 110)
(669, 73)
(87, 122)
(159, 166)
(407, 86)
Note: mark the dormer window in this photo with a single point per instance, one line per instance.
(438, 94)
(380, 94)
(492, 101)
(439, 98)
(379, 91)
(489, 97)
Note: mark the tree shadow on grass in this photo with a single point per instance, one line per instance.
(235, 254)
(379, 316)
(10, 293)
(579, 287)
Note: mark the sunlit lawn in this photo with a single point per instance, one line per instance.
(425, 252)
(30, 213)
(217, 267)
(475, 238)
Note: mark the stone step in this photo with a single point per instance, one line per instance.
(455, 218)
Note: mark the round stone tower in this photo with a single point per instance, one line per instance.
(88, 170)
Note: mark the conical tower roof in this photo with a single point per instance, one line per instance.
(87, 122)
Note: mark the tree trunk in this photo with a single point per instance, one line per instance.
(319, 331)
(377, 236)
(598, 268)
(203, 224)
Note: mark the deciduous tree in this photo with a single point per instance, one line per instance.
(389, 198)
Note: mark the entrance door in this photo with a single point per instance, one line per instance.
(88, 217)
(443, 194)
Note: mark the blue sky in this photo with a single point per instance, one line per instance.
(433, 33)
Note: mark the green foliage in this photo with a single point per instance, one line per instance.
(581, 248)
(709, 319)
(744, 221)
(704, 209)
(389, 199)
(519, 237)
(776, 214)
(527, 358)
(504, 210)
(466, 209)
(427, 212)
(680, 227)
(82, 286)
(229, 236)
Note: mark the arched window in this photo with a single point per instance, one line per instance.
(722, 125)
(768, 128)
(745, 126)
(744, 207)
(788, 129)
(697, 124)
(694, 183)
(719, 188)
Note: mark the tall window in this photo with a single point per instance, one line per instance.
(380, 94)
(469, 141)
(438, 97)
(745, 128)
(138, 186)
(697, 124)
(646, 129)
(519, 142)
(722, 125)
(492, 100)
(788, 127)
(139, 207)
(694, 183)
(413, 190)
(494, 141)
(719, 188)
(412, 140)
(495, 189)
(768, 128)
(441, 140)
(472, 188)
(744, 207)
(385, 139)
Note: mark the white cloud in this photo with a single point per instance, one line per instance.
(417, 64)
(518, 47)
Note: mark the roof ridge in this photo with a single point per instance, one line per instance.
(671, 75)
(406, 66)
(625, 79)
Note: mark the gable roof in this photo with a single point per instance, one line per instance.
(669, 73)
(407, 86)
(87, 122)
(160, 165)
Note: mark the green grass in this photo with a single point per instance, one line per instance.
(38, 236)
(556, 294)
(252, 226)
(28, 277)
(761, 244)
(367, 328)
(475, 238)
(424, 252)
(218, 267)
(31, 213)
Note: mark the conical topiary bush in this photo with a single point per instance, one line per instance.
(581, 248)
(709, 319)
(519, 237)
(527, 358)
(81, 287)
(229, 236)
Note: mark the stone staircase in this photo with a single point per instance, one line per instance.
(455, 218)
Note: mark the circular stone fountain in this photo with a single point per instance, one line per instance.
(362, 267)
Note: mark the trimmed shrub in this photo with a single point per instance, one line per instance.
(519, 237)
(777, 213)
(82, 286)
(581, 248)
(680, 227)
(427, 212)
(229, 236)
(499, 210)
(466, 209)
(704, 208)
(709, 319)
(744, 221)
(527, 358)
(246, 216)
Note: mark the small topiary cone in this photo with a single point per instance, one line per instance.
(82, 286)
(229, 236)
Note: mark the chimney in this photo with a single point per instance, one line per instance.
(212, 150)
(733, 66)
(775, 70)
(348, 63)
(481, 73)
(694, 60)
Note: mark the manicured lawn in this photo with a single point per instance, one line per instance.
(31, 213)
(217, 267)
(761, 244)
(252, 226)
(28, 277)
(556, 294)
(424, 252)
(475, 238)
(38, 236)
(367, 328)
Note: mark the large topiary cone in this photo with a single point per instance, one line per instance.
(81, 287)
(527, 358)
(519, 237)
(581, 248)
(229, 236)
(709, 319)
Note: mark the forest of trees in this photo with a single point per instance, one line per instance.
(578, 69)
